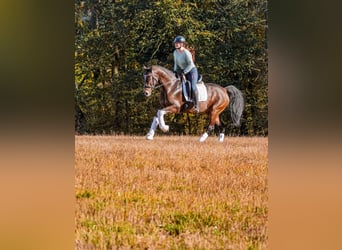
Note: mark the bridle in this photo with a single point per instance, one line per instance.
(154, 81)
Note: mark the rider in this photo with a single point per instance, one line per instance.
(183, 61)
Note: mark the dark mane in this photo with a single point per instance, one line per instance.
(165, 70)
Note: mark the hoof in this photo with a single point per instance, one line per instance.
(149, 136)
(203, 137)
(221, 137)
(165, 128)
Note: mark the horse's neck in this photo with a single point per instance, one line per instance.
(167, 82)
(171, 85)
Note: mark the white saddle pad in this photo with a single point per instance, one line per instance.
(202, 92)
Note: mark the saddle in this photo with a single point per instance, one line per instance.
(187, 89)
(187, 92)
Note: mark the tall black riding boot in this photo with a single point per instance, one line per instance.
(196, 108)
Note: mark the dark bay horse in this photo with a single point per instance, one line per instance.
(171, 100)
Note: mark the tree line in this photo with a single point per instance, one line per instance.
(115, 39)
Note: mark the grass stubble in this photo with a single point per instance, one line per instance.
(170, 193)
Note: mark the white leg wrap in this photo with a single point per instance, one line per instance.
(203, 137)
(162, 124)
(154, 125)
(150, 135)
(221, 137)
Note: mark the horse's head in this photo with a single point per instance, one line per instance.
(150, 81)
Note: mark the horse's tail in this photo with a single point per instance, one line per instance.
(236, 104)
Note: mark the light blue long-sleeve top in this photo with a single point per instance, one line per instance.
(183, 61)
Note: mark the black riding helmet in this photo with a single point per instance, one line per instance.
(179, 39)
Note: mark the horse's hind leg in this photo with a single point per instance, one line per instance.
(214, 120)
(207, 133)
(222, 129)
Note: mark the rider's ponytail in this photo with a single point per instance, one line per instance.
(192, 51)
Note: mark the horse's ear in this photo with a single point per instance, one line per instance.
(146, 68)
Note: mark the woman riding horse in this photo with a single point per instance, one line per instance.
(183, 61)
(172, 101)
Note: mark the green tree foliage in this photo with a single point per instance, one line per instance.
(114, 39)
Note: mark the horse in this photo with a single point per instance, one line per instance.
(172, 101)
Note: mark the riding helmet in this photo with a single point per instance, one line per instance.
(179, 39)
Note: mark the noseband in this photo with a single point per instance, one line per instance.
(154, 81)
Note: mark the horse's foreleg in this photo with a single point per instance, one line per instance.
(169, 109)
(162, 124)
(154, 125)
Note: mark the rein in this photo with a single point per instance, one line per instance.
(156, 82)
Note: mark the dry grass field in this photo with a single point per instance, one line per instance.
(171, 193)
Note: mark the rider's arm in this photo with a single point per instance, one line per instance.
(175, 67)
(189, 63)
